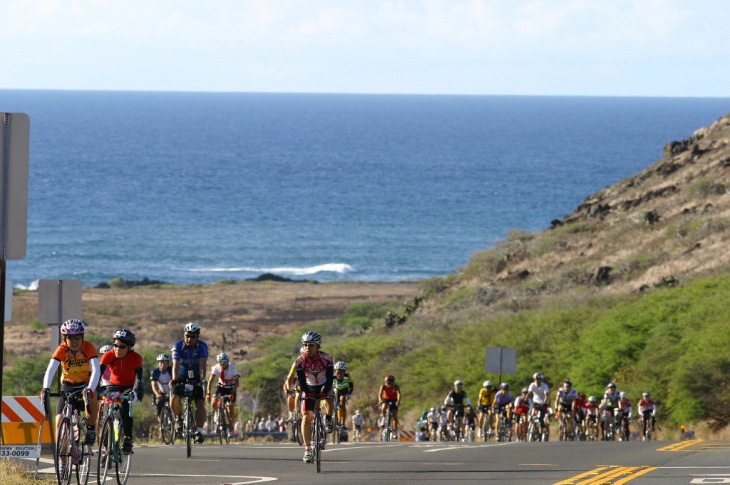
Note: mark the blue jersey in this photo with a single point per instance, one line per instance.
(189, 357)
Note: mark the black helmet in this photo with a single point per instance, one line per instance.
(125, 336)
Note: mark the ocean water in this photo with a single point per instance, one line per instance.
(202, 187)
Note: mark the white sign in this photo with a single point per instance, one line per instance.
(20, 451)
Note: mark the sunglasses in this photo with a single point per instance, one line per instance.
(190, 336)
(309, 345)
(121, 347)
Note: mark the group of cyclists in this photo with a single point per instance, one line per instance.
(314, 377)
(118, 368)
(579, 417)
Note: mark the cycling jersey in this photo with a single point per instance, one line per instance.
(646, 405)
(390, 393)
(189, 358)
(162, 379)
(456, 399)
(344, 385)
(124, 371)
(540, 394)
(522, 405)
(227, 377)
(486, 396)
(611, 399)
(566, 398)
(76, 367)
(315, 372)
(501, 399)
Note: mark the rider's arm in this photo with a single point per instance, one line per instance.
(203, 366)
(156, 389)
(449, 399)
(175, 370)
(210, 381)
(138, 388)
(302, 380)
(95, 373)
(329, 374)
(380, 394)
(235, 384)
(50, 372)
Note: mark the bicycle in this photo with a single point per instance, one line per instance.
(591, 429)
(167, 422)
(71, 452)
(319, 433)
(456, 432)
(222, 419)
(111, 441)
(387, 432)
(504, 429)
(646, 421)
(336, 418)
(487, 430)
(565, 434)
(188, 417)
(623, 426)
(521, 427)
(537, 430)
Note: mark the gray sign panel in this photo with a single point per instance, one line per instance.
(14, 155)
(501, 360)
(59, 300)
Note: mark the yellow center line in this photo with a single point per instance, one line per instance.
(679, 446)
(608, 474)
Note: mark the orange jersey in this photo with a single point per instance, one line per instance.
(123, 371)
(75, 368)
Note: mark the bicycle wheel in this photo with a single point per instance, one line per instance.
(83, 464)
(298, 429)
(64, 463)
(224, 424)
(457, 428)
(337, 425)
(106, 450)
(321, 437)
(167, 426)
(124, 460)
(218, 417)
(188, 427)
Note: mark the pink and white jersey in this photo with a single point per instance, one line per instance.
(315, 370)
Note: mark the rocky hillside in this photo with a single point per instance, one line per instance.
(665, 225)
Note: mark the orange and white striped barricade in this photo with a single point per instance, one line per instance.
(21, 416)
(406, 435)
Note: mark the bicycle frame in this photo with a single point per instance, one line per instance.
(70, 451)
(111, 440)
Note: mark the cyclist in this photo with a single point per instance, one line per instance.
(315, 375)
(160, 378)
(389, 396)
(565, 399)
(623, 413)
(503, 403)
(522, 407)
(80, 369)
(433, 423)
(484, 405)
(592, 415)
(539, 392)
(608, 405)
(455, 401)
(579, 413)
(343, 386)
(357, 421)
(227, 385)
(647, 408)
(470, 419)
(189, 363)
(126, 373)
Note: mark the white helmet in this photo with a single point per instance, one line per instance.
(488, 384)
(340, 366)
(192, 327)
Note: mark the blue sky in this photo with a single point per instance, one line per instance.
(534, 47)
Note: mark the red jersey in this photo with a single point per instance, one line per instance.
(390, 393)
(124, 370)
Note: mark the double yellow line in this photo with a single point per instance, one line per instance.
(613, 475)
(679, 446)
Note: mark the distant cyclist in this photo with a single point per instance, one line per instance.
(160, 378)
(456, 401)
(315, 373)
(343, 385)
(503, 402)
(389, 397)
(565, 400)
(227, 377)
(484, 405)
(539, 392)
(647, 409)
(189, 364)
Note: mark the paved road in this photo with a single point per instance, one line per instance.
(639, 463)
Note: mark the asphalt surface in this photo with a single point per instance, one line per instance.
(638, 463)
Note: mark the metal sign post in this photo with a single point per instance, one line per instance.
(14, 155)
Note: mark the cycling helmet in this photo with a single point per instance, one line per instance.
(340, 366)
(106, 348)
(125, 336)
(504, 385)
(537, 375)
(582, 396)
(622, 395)
(611, 385)
(73, 326)
(312, 338)
(390, 378)
(222, 357)
(645, 394)
(357, 411)
(592, 399)
(488, 384)
(567, 384)
(525, 390)
(458, 383)
(163, 357)
(192, 327)
(433, 409)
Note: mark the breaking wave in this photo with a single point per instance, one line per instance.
(341, 268)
